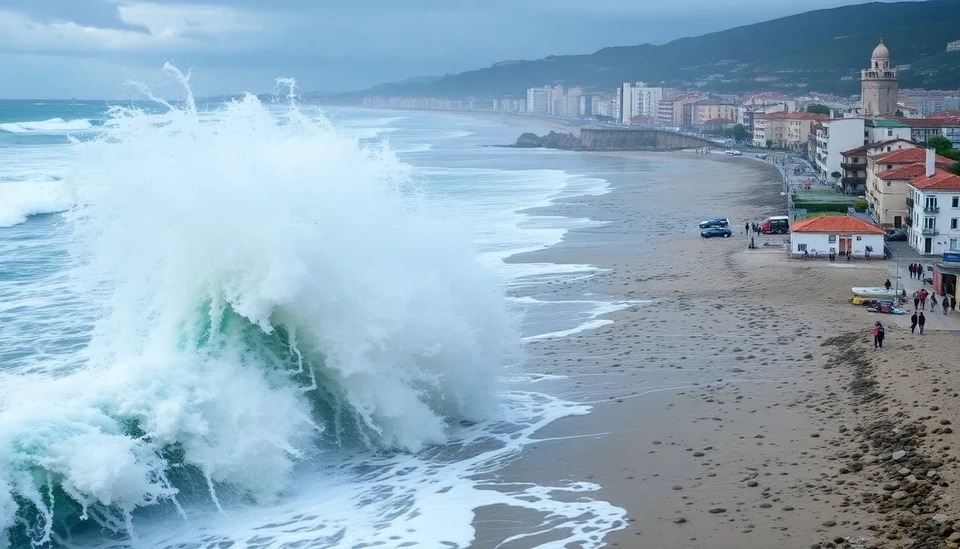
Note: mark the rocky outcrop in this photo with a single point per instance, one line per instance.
(552, 140)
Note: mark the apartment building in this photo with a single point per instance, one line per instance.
(934, 204)
(700, 112)
(636, 98)
(853, 163)
(888, 175)
(785, 130)
(884, 129)
(832, 138)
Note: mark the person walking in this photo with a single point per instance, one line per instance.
(921, 321)
(913, 270)
(953, 303)
(887, 284)
(916, 300)
(913, 323)
(933, 301)
(946, 304)
(923, 299)
(746, 228)
(878, 334)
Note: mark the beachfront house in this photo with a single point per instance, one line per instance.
(934, 203)
(818, 237)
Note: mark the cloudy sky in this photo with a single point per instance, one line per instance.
(91, 48)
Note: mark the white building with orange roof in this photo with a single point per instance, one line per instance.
(838, 234)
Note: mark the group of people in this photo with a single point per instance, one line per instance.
(920, 297)
(752, 228)
(916, 271)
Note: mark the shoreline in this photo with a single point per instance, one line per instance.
(725, 412)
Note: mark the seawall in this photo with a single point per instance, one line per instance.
(638, 140)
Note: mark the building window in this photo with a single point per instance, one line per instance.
(953, 245)
(832, 238)
(953, 223)
(955, 202)
(929, 222)
(859, 238)
(801, 247)
(889, 133)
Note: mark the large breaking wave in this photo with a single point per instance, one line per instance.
(268, 290)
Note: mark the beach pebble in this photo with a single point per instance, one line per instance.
(898, 455)
(698, 454)
(679, 520)
(752, 483)
(718, 510)
(678, 487)
(899, 494)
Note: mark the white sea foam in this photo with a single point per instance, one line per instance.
(21, 199)
(52, 126)
(280, 299)
(271, 288)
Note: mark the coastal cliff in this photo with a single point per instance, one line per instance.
(613, 139)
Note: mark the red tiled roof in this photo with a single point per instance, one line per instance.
(908, 156)
(930, 123)
(940, 181)
(793, 116)
(910, 171)
(865, 148)
(945, 114)
(836, 224)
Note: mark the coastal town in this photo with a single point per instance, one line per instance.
(887, 158)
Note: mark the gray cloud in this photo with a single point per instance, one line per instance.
(101, 14)
(341, 45)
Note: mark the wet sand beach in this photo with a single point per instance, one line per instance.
(740, 402)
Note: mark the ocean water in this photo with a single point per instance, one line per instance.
(255, 324)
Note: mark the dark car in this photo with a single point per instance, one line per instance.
(714, 222)
(896, 235)
(716, 231)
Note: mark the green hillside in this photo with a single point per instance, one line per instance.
(821, 50)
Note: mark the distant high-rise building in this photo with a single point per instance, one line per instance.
(879, 84)
(635, 98)
(538, 100)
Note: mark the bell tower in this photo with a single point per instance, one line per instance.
(879, 85)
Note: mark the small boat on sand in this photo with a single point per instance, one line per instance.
(874, 292)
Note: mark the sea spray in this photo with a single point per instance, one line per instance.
(273, 290)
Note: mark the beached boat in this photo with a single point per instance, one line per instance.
(874, 292)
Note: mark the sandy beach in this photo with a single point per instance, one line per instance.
(739, 403)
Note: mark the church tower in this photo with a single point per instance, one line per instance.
(879, 84)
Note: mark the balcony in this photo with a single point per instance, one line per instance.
(909, 203)
(931, 209)
(929, 232)
(909, 220)
(852, 166)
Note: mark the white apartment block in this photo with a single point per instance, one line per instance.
(636, 98)
(538, 100)
(836, 136)
(934, 203)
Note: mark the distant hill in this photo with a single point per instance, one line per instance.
(821, 50)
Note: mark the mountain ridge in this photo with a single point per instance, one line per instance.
(820, 50)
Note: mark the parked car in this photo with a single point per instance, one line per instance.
(895, 235)
(716, 231)
(714, 222)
